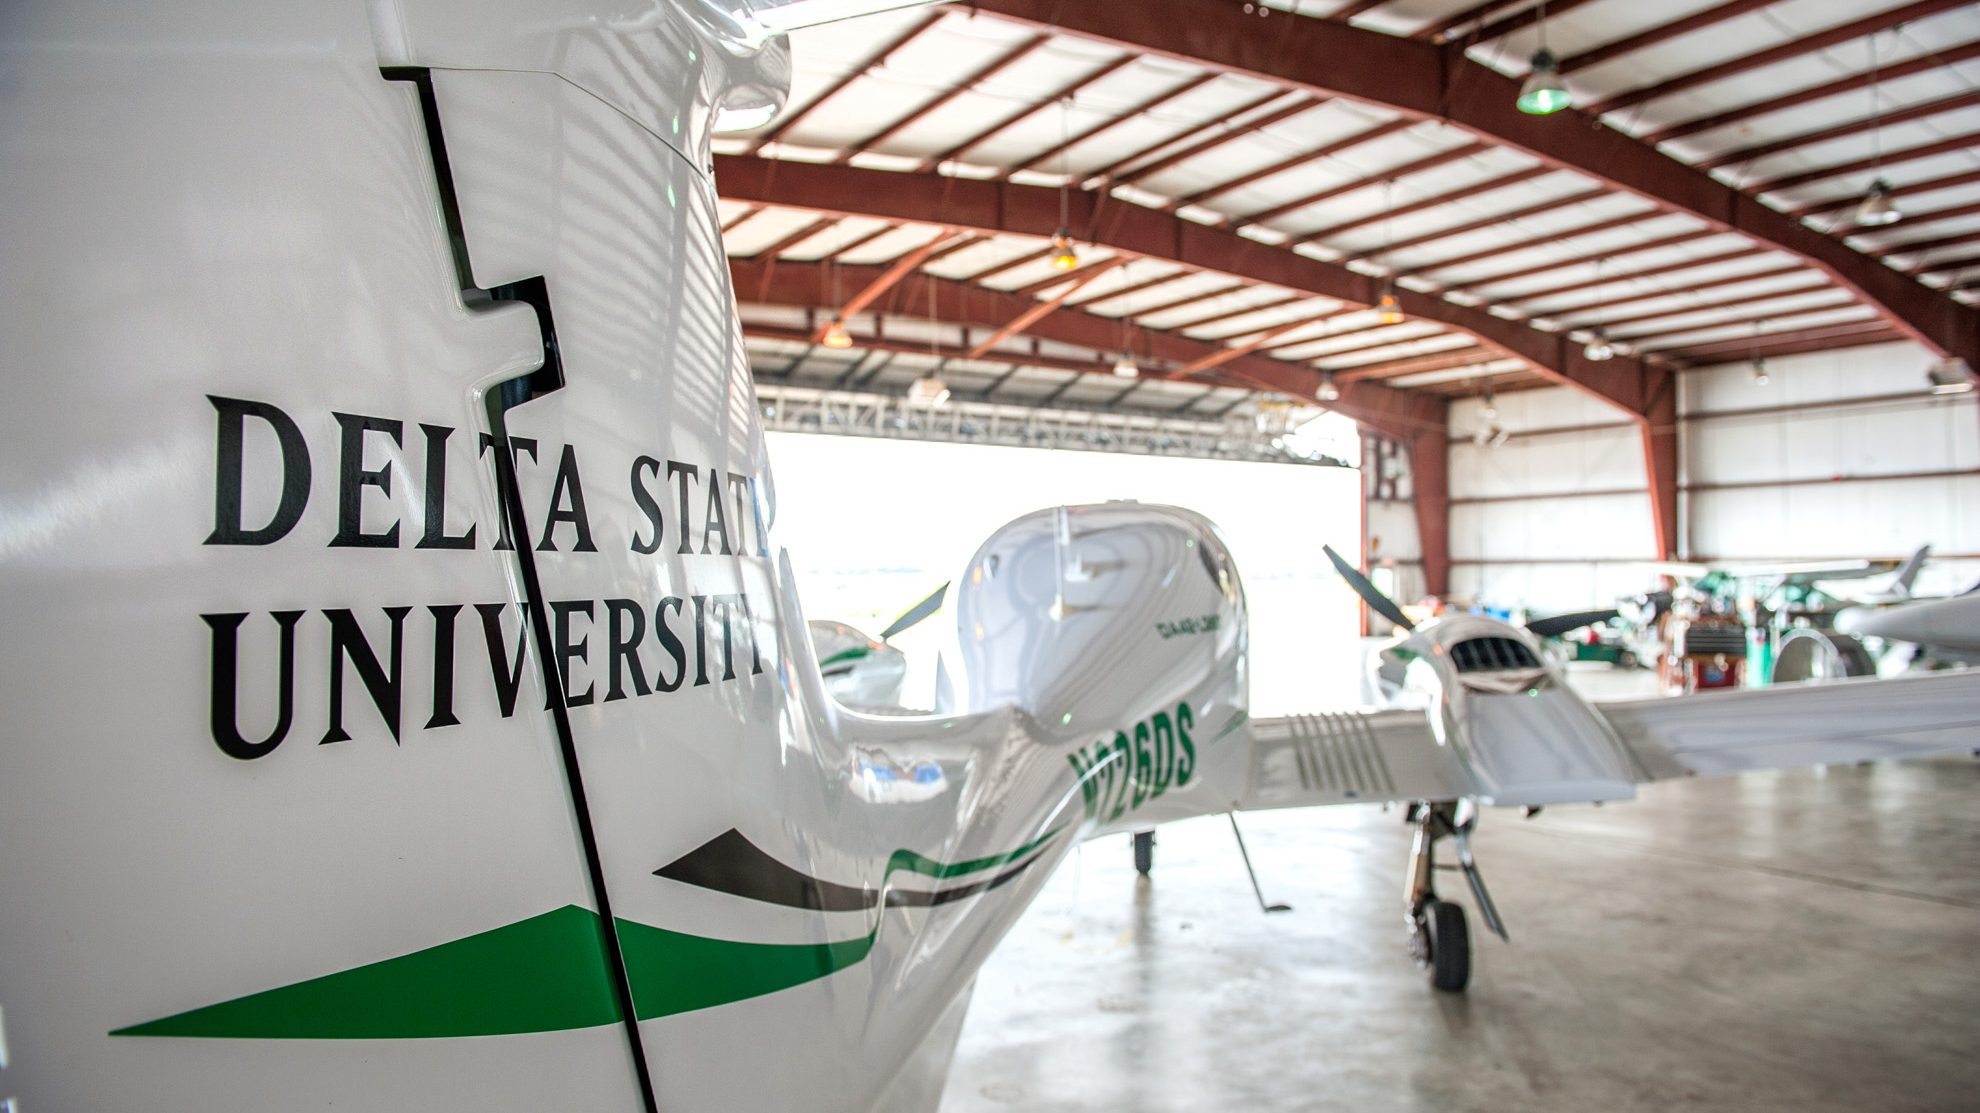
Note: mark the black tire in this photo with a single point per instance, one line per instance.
(1450, 946)
(1144, 852)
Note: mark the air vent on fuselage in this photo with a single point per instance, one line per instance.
(1492, 654)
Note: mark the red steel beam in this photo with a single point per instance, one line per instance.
(1218, 359)
(899, 269)
(1528, 244)
(1941, 266)
(1224, 129)
(1739, 346)
(1309, 340)
(1899, 191)
(1440, 200)
(1721, 303)
(1947, 145)
(1697, 21)
(1377, 343)
(1080, 274)
(1206, 295)
(1416, 78)
(1924, 63)
(1414, 166)
(1062, 93)
(1395, 412)
(1647, 272)
(990, 207)
(1658, 430)
(1842, 130)
(921, 111)
(1499, 29)
(1038, 311)
(1415, 365)
(1430, 491)
(1134, 288)
(790, 119)
(1868, 332)
(1593, 257)
(1133, 113)
(1368, 135)
(1808, 44)
(1915, 247)
(1689, 287)
(1436, 29)
(1648, 338)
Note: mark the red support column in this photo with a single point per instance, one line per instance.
(1658, 424)
(1430, 489)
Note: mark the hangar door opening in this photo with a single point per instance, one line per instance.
(873, 526)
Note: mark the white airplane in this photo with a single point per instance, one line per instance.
(407, 703)
(1950, 625)
(1846, 580)
(868, 674)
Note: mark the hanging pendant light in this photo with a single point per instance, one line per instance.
(1760, 377)
(1064, 256)
(836, 335)
(1329, 391)
(1124, 365)
(1388, 309)
(1599, 349)
(929, 390)
(1876, 209)
(1543, 92)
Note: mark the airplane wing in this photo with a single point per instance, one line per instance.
(1800, 724)
(1349, 758)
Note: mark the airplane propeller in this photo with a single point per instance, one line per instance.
(1370, 594)
(1552, 626)
(917, 613)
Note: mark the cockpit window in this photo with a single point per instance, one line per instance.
(1492, 654)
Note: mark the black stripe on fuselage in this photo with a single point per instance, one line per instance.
(730, 863)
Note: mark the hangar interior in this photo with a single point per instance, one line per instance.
(1720, 310)
(409, 701)
(1558, 318)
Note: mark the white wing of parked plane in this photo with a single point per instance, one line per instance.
(1800, 724)
(1352, 758)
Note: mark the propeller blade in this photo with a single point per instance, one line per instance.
(1377, 602)
(916, 613)
(1554, 626)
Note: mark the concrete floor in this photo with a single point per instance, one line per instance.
(1786, 941)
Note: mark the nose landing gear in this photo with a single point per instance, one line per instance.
(1439, 938)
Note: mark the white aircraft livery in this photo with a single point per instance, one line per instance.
(407, 704)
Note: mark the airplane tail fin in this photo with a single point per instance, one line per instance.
(1092, 617)
(1908, 572)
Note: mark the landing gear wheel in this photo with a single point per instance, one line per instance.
(1144, 852)
(1450, 946)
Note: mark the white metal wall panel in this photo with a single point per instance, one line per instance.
(1839, 498)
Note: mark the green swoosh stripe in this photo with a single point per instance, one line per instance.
(544, 974)
(916, 863)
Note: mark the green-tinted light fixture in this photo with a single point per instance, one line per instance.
(1544, 93)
